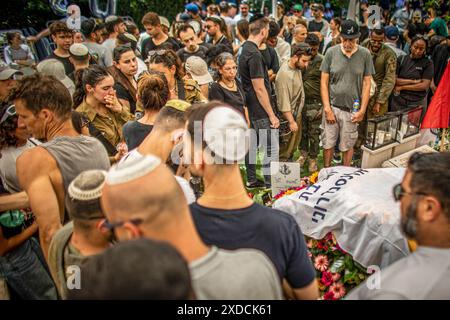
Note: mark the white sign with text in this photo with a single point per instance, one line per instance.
(284, 175)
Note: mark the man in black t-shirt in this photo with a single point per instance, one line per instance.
(319, 26)
(62, 36)
(256, 84)
(214, 28)
(225, 216)
(158, 39)
(190, 41)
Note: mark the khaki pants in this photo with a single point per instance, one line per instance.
(290, 142)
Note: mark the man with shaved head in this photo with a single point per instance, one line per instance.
(142, 199)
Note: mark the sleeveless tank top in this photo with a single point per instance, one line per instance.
(75, 155)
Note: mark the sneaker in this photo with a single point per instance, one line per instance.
(337, 158)
(302, 158)
(312, 165)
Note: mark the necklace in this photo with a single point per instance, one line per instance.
(229, 87)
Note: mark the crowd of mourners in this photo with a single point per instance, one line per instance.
(90, 186)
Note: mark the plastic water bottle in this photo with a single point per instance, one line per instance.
(356, 106)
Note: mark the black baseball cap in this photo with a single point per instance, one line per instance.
(350, 29)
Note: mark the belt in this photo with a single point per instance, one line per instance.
(346, 109)
(313, 101)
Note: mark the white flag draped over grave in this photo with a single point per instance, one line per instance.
(358, 207)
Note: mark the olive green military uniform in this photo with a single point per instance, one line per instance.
(313, 109)
(385, 64)
(109, 125)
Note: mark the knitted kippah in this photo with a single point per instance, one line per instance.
(132, 169)
(87, 185)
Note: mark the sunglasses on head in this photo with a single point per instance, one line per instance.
(10, 111)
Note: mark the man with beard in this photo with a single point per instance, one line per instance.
(99, 52)
(85, 235)
(385, 64)
(312, 112)
(291, 97)
(190, 41)
(44, 108)
(258, 92)
(424, 196)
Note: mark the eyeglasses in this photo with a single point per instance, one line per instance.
(111, 226)
(10, 111)
(398, 192)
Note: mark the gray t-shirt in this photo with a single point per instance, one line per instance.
(102, 55)
(425, 274)
(346, 74)
(244, 274)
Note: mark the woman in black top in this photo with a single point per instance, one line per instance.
(124, 69)
(414, 74)
(153, 93)
(227, 88)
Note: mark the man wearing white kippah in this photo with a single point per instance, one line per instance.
(141, 199)
(224, 215)
(84, 235)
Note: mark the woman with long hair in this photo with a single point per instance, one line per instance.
(414, 74)
(22, 263)
(167, 62)
(95, 97)
(123, 70)
(153, 94)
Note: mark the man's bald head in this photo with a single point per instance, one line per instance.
(144, 189)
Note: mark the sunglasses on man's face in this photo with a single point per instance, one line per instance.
(399, 192)
(111, 226)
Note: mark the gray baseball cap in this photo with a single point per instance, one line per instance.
(7, 72)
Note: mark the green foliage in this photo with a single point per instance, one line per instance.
(137, 8)
(36, 13)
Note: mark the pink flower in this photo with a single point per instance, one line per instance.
(336, 277)
(310, 244)
(338, 290)
(321, 262)
(329, 296)
(309, 254)
(327, 278)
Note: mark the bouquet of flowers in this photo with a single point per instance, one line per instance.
(337, 272)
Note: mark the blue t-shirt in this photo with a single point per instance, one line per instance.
(271, 231)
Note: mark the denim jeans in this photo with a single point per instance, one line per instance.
(25, 271)
(266, 138)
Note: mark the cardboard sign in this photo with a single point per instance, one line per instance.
(284, 175)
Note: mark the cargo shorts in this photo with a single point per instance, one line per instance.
(344, 129)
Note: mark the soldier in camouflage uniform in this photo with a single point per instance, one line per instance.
(313, 109)
(385, 63)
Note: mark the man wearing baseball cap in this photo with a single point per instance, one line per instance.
(391, 36)
(115, 26)
(318, 25)
(8, 79)
(347, 71)
(224, 215)
(98, 51)
(193, 10)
